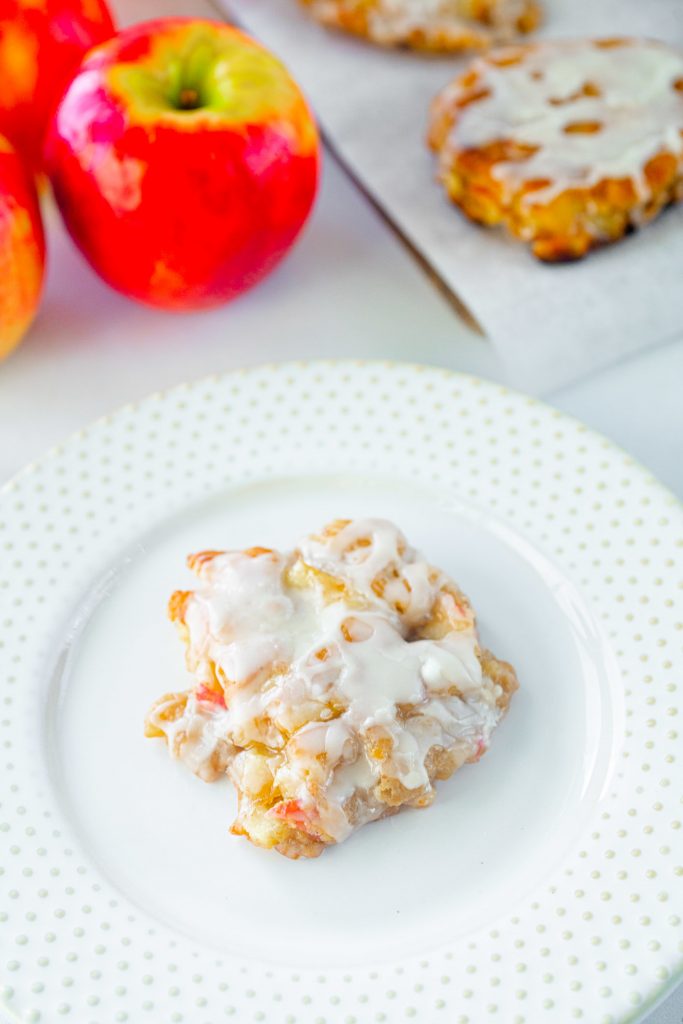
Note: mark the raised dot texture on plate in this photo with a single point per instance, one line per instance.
(541, 880)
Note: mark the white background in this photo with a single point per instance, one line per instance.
(348, 290)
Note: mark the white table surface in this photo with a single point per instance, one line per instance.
(349, 289)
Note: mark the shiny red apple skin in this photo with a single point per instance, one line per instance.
(22, 249)
(183, 208)
(42, 42)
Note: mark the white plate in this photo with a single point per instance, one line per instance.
(545, 882)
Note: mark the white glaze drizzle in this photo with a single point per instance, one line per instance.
(532, 102)
(392, 21)
(296, 684)
(359, 566)
(196, 736)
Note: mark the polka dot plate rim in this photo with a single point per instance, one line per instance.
(579, 925)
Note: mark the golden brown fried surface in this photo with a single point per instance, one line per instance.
(334, 684)
(569, 145)
(433, 25)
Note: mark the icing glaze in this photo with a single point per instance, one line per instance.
(391, 21)
(320, 694)
(587, 110)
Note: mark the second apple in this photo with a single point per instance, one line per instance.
(184, 160)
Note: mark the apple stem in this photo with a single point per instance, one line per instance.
(188, 99)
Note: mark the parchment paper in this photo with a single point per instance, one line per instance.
(550, 324)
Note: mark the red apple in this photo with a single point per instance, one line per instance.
(22, 249)
(42, 43)
(184, 160)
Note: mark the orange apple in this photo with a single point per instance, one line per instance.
(41, 45)
(22, 249)
(184, 160)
